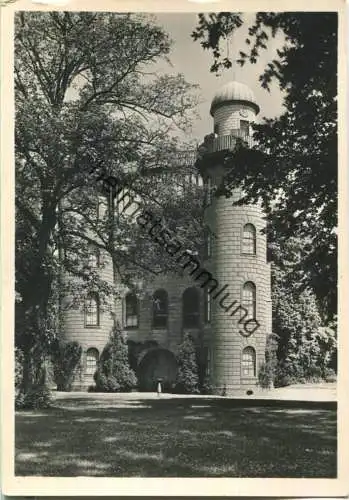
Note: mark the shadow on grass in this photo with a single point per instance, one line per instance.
(184, 437)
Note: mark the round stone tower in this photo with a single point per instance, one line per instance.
(241, 296)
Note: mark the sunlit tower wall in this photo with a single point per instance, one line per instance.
(238, 259)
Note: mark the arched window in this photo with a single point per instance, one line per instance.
(131, 316)
(191, 308)
(249, 299)
(92, 310)
(249, 239)
(248, 362)
(160, 309)
(207, 297)
(92, 357)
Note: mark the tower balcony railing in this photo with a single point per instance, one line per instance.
(221, 142)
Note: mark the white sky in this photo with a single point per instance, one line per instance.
(189, 58)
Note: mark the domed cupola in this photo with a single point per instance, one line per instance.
(234, 93)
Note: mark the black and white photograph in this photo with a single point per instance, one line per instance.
(175, 276)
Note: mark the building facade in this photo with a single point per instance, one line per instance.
(228, 314)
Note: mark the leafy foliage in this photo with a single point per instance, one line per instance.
(86, 99)
(267, 371)
(306, 348)
(292, 169)
(330, 375)
(264, 378)
(114, 373)
(187, 381)
(37, 397)
(66, 357)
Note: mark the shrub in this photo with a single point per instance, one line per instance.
(304, 340)
(283, 380)
(37, 397)
(19, 400)
(314, 373)
(107, 384)
(206, 386)
(65, 359)
(114, 373)
(283, 376)
(329, 375)
(187, 381)
(265, 377)
(266, 374)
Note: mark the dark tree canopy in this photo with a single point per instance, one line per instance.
(293, 166)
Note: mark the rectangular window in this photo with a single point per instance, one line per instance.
(131, 312)
(160, 309)
(245, 127)
(191, 308)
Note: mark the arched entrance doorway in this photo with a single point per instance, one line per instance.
(157, 364)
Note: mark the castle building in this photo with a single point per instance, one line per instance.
(228, 314)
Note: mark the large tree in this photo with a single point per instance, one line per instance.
(293, 166)
(306, 347)
(87, 97)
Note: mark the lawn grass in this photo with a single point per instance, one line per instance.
(182, 437)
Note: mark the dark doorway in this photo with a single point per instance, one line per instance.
(157, 364)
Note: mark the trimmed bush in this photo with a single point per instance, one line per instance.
(114, 373)
(187, 381)
(329, 375)
(19, 400)
(265, 377)
(283, 376)
(65, 359)
(38, 397)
